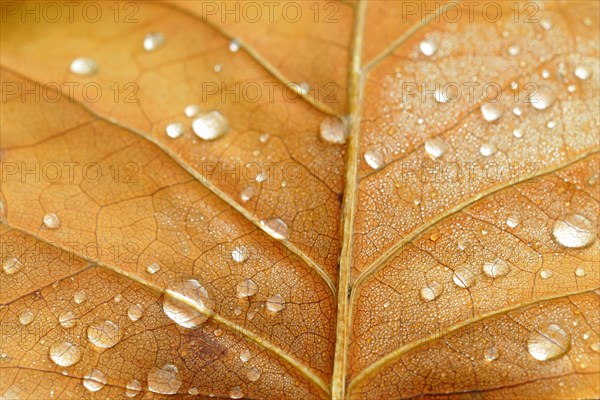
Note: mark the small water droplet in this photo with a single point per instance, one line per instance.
(514, 50)
(118, 297)
(513, 220)
(463, 277)
(11, 266)
(548, 342)
(253, 374)
(546, 24)
(187, 303)
(132, 388)
(545, 74)
(546, 274)
(491, 354)
(153, 41)
(374, 159)
(432, 291)
(518, 133)
(164, 380)
(487, 149)
(574, 231)
(79, 296)
(94, 380)
(240, 254)
(263, 138)
(153, 268)
(135, 312)
(491, 111)
(580, 272)
(51, 221)
(210, 126)
(261, 176)
(542, 98)
(517, 111)
(64, 354)
(333, 130)
(595, 347)
(551, 124)
(174, 130)
(435, 147)
(275, 303)
(234, 46)
(236, 393)
(247, 194)
(237, 311)
(26, 317)
(428, 47)
(218, 68)
(276, 228)
(194, 391)
(582, 72)
(245, 355)
(191, 111)
(496, 268)
(67, 319)
(104, 333)
(246, 288)
(84, 66)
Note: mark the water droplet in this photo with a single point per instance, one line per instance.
(514, 50)
(551, 124)
(517, 111)
(571, 88)
(247, 194)
(94, 381)
(582, 72)
(67, 319)
(51, 221)
(491, 354)
(174, 130)
(513, 220)
(435, 147)
(164, 380)
(487, 149)
(374, 159)
(245, 355)
(26, 317)
(595, 347)
(246, 288)
(545, 74)
(463, 277)
(491, 111)
(253, 374)
(187, 303)
(135, 312)
(11, 266)
(580, 272)
(542, 98)
(218, 68)
(118, 297)
(333, 130)
(153, 41)
(194, 391)
(446, 94)
(261, 176)
(132, 388)
(276, 228)
(84, 66)
(153, 268)
(546, 24)
(428, 47)
(432, 291)
(496, 268)
(240, 254)
(546, 274)
(104, 333)
(263, 138)
(65, 354)
(234, 46)
(192, 110)
(574, 231)
(236, 393)
(210, 126)
(548, 342)
(275, 303)
(79, 296)
(518, 133)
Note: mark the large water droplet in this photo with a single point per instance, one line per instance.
(210, 126)
(428, 47)
(11, 266)
(240, 254)
(545, 274)
(276, 228)
(497, 268)
(246, 288)
(491, 354)
(513, 220)
(67, 319)
(463, 277)
(104, 333)
(187, 303)
(94, 381)
(582, 72)
(245, 355)
(153, 268)
(26, 317)
(164, 380)
(435, 147)
(333, 130)
(174, 130)
(432, 291)
(253, 374)
(374, 159)
(51, 221)
(574, 231)
(84, 66)
(132, 388)
(275, 303)
(580, 272)
(548, 342)
(491, 111)
(79, 296)
(236, 393)
(542, 98)
(153, 41)
(65, 354)
(135, 312)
